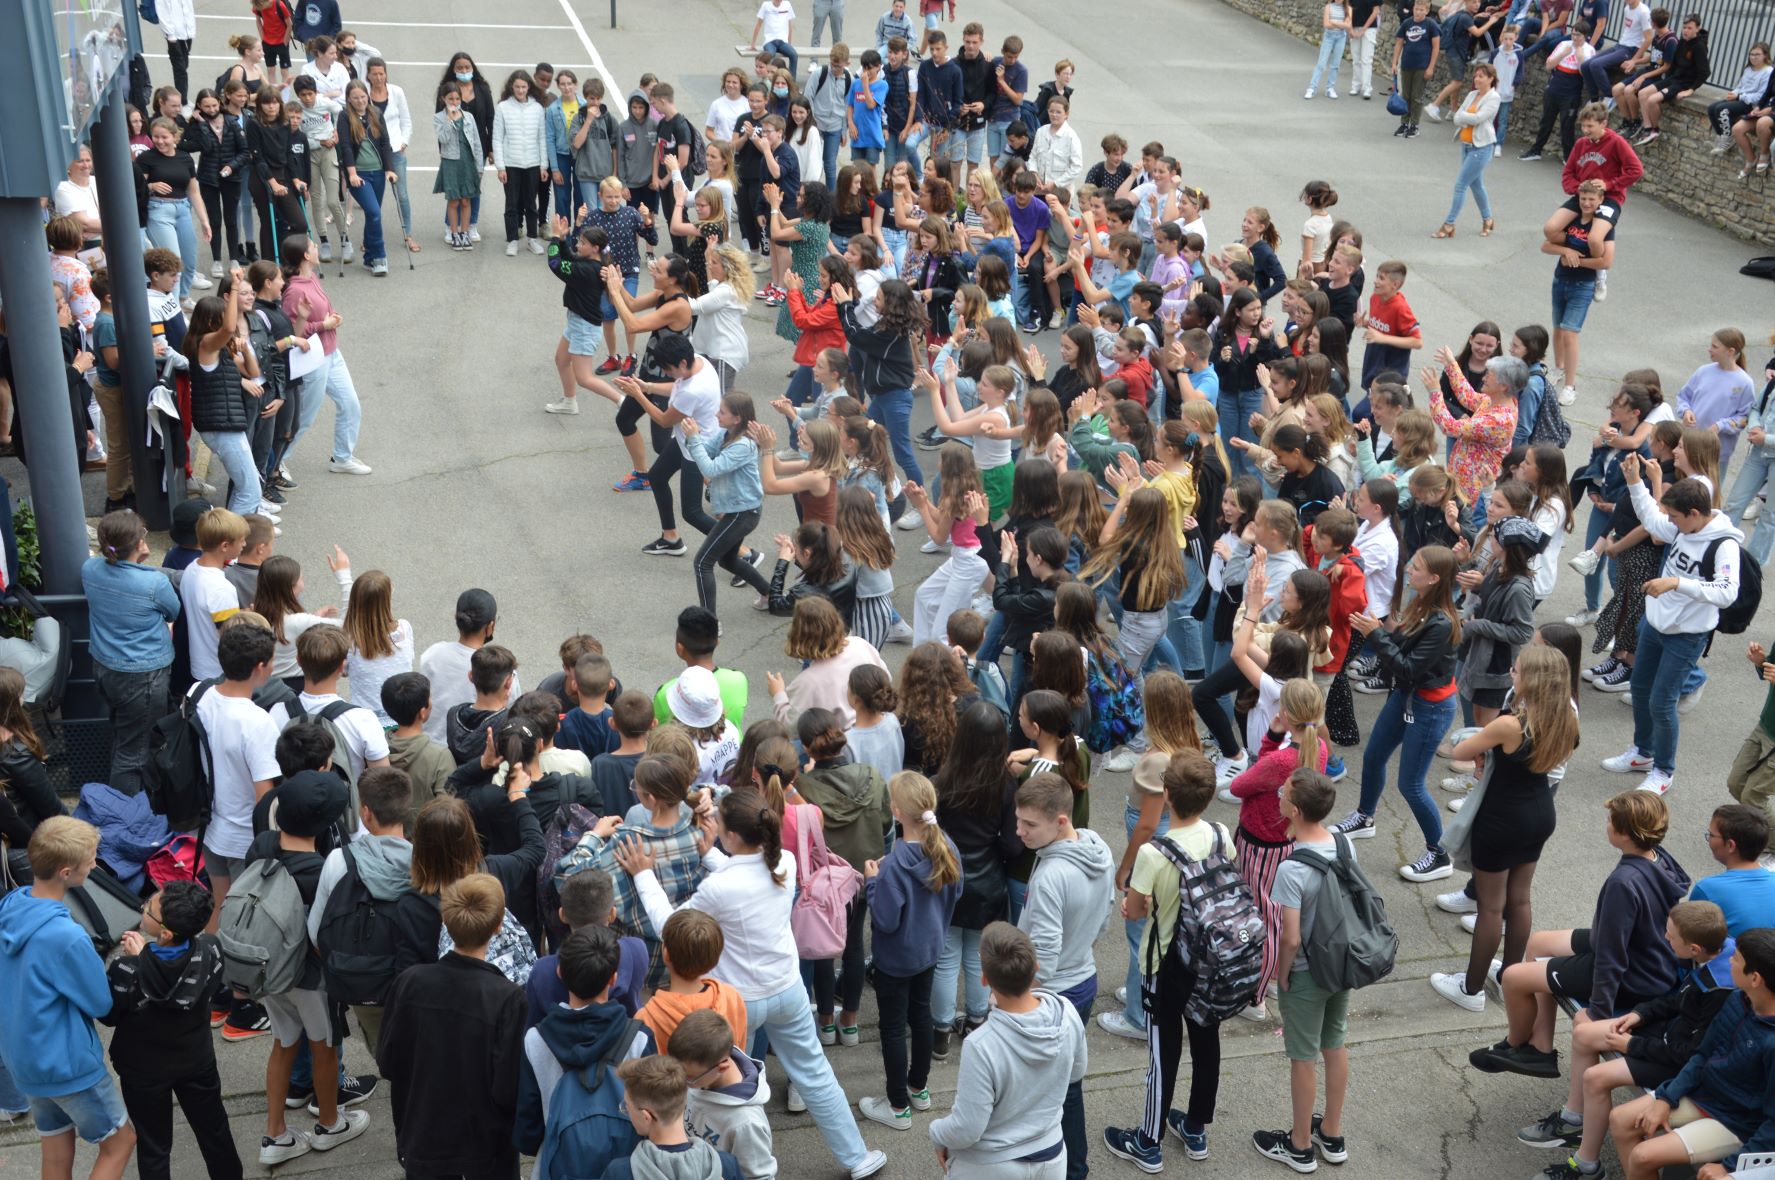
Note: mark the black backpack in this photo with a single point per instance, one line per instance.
(180, 782)
(1550, 424)
(1736, 617)
(357, 940)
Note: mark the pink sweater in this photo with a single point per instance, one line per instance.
(319, 308)
(825, 684)
(1259, 788)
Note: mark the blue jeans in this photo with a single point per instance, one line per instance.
(788, 51)
(995, 138)
(1017, 896)
(302, 1069)
(961, 956)
(790, 1025)
(897, 151)
(893, 409)
(1235, 410)
(368, 195)
(564, 205)
(1596, 70)
(829, 146)
(898, 242)
(1183, 630)
(1502, 123)
(170, 228)
(400, 194)
(1135, 928)
(869, 155)
(1661, 666)
(1471, 176)
(235, 451)
(1599, 524)
(1753, 477)
(334, 381)
(1331, 52)
(1414, 727)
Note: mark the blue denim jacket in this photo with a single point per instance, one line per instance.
(732, 471)
(130, 606)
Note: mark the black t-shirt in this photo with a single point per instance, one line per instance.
(884, 200)
(1344, 302)
(177, 170)
(674, 133)
(1360, 10)
(748, 153)
(1311, 493)
(1100, 177)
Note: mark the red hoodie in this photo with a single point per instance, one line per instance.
(1349, 595)
(1138, 376)
(819, 327)
(1610, 159)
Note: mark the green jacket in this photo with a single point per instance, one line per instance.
(853, 800)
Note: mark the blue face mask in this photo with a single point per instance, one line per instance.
(781, 91)
(462, 77)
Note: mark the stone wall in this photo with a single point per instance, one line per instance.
(1681, 170)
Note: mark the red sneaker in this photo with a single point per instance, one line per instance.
(611, 364)
(628, 365)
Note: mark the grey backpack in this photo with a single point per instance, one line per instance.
(263, 931)
(1351, 943)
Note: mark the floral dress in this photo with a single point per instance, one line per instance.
(804, 260)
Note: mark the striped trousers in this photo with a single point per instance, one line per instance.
(1258, 862)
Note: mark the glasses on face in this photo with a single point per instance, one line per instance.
(148, 913)
(700, 1078)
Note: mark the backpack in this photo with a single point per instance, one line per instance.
(1736, 617)
(105, 908)
(180, 782)
(585, 1127)
(179, 859)
(149, 10)
(357, 940)
(571, 821)
(1117, 712)
(1550, 424)
(699, 152)
(1219, 933)
(827, 884)
(263, 931)
(328, 719)
(510, 950)
(1351, 943)
(1759, 268)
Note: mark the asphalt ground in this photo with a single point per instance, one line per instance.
(474, 485)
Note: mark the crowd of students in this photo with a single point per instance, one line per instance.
(596, 911)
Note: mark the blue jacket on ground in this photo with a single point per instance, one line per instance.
(52, 987)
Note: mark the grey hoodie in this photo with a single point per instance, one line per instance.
(1015, 1069)
(697, 1162)
(596, 157)
(734, 1119)
(384, 864)
(1068, 907)
(635, 143)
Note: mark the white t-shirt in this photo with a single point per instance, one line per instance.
(1636, 21)
(776, 20)
(722, 114)
(1550, 519)
(1379, 547)
(1662, 412)
(1257, 723)
(698, 396)
(209, 599)
(445, 665)
(364, 740)
(243, 751)
(716, 758)
(1317, 227)
(71, 199)
(994, 452)
(366, 676)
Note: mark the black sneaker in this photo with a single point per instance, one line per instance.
(1609, 664)
(1523, 1059)
(1330, 1146)
(1432, 866)
(1619, 679)
(932, 440)
(1411, 132)
(354, 1090)
(1551, 1132)
(757, 556)
(284, 482)
(269, 491)
(1364, 667)
(246, 1021)
(1126, 1143)
(1530, 156)
(1400, 130)
(940, 1044)
(1568, 1169)
(1355, 826)
(1279, 1146)
(299, 1096)
(1374, 686)
(665, 548)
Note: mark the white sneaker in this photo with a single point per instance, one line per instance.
(1628, 761)
(511, 248)
(1754, 510)
(351, 1124)
(1723, 144)
(200, 283)
(567, 405)
(1229, 769)
(350, 465)
(1120, 760)
(1256, 1013)
(1656, 781)
(1568, 396)
(273, 1152)
(1456, 903)
(931, 546)
(216, 269)
(1582, 618)
(1469, 922)
(1586, 562)
(449, 237)
(1225, 795)
(1433, 113)
(1309, 94)
(326, 251)
(269, 511)
(349, 253)
(872, 1163)
(1331, 92)
(1116, 1025)
(537, 246)
(882, 1111)
(796, 1105)
(1458, 802)
(1122, 994)
(1689, 700)
(900, 632)
(1453, 988)
(1459, 782)
(1602, 286)
(474, 233)
(910, 519)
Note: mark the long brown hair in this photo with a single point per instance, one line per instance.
(275, 594)
(931, 680)
(1146, 540)
(445, 846)
(369, 616)
(13, 714)
(1055, 663)
(1544, 706)
(746, 814)
(1050, 712)
(864, 538)
(1439, 560)
(1075, 614)
(1081, 514)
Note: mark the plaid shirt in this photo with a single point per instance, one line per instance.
(677, 864)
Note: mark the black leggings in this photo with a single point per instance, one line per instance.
(222, 205)
(150, 1108)
(846, 993)
(747, 197)
(629, 415)
(904, 1006)
(722, 548)
(1564, 110)
(1225, 679)
(279, 217)
(520, 202)
(690, 489)
(1504, 911)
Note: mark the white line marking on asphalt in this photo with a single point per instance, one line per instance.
(611, 90)
(395, 24)
(437, 65)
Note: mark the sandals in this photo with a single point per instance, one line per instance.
(1447, 230)
(412, 245)
(1486, 227)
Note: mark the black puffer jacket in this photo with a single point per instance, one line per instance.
(217, 401)
(214, 151)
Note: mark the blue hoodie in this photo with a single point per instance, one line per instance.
(52, 986)
(908, 919)
(1732, 1076)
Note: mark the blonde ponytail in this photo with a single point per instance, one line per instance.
(913, 794)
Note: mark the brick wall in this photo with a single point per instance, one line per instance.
(1680, 170)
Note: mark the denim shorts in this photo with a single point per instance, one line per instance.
(582, 335)
(1571, 303)
(629, 284)
(933, 20)
(970, 145)
(96, 1112)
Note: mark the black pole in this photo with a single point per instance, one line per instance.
(613, 13)
(40, 395)
(113, 174)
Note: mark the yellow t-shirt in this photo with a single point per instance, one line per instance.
(1156, 877)
(1179, 490)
